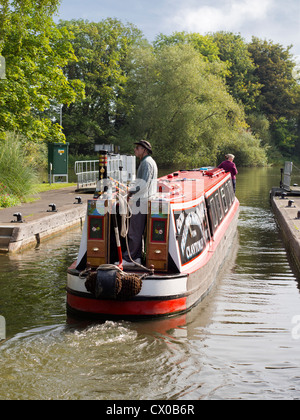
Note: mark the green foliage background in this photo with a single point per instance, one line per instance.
(194, 96)
(18, 174)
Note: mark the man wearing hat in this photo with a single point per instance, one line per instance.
(145, 187)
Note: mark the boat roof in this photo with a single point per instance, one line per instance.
(191, 184)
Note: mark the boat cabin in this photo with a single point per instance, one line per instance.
(183, 219)
(190, 232)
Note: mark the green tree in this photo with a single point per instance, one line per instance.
(247, 149)
(101, 50)
(284, 135)
(35, 51)
(274, 70)
(180, 106)
(240, 78)
(280, 93)
(204, 44)
(260, 127)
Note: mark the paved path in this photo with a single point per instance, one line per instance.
(286, 212)
(38, 221)
(64, 199)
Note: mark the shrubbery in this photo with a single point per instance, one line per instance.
(7, 200)
(18, 178)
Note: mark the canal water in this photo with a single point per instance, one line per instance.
(241, 342)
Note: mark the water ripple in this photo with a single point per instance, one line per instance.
(237, 344)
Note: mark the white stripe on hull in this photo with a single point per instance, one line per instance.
(150, 287)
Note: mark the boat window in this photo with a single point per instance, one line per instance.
(218, 205)
(204, 222)
(213, 213)
(224, 200)
(229, 192)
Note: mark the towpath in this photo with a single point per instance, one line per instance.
(287, 213)
(63, 198)
(38, 219)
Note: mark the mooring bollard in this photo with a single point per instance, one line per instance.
(53, 208)
(19, 218)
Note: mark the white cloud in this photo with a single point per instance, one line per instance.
(230, 16)
(275, 20)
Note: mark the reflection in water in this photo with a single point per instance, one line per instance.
(237, 343)
(32, 283)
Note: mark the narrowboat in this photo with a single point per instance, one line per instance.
(191, 226)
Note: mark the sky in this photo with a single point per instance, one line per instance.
(276, 20)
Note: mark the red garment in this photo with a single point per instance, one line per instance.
(229, 166)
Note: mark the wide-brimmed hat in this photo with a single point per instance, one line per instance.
(145, 144)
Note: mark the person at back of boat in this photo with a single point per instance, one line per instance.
(229, 166)
(138, 195)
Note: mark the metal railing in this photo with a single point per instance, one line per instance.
(119, 167)
(87, 172)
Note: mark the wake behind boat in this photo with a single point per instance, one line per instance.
(191, 226)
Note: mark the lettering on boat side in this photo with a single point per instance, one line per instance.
(191, 231)
(154, 409)
(2, 328)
